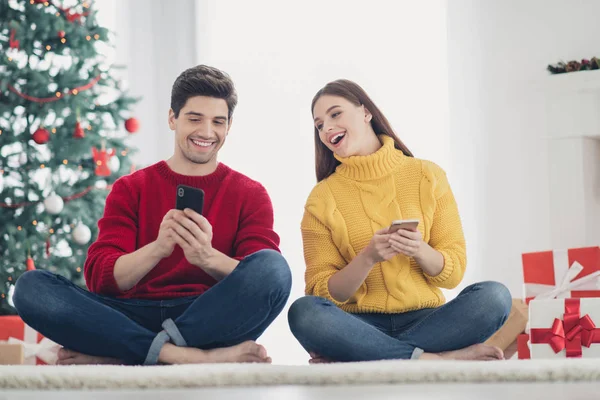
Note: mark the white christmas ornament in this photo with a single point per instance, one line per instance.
(54, 204)
(82, 234)
(101, 184)
(114, 164)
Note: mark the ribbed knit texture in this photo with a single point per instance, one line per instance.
(238, 208)
(364, 195)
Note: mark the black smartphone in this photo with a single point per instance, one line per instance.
(190, 197)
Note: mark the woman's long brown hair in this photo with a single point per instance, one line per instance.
(325, 162)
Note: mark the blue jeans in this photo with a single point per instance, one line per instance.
(472, 317)
(236, 309)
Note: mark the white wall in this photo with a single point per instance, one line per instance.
(498, 52)
(155, 41)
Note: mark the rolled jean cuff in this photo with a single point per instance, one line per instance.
(173, 332)
(157, 344)
(417, 353)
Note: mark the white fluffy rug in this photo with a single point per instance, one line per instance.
(222, 375)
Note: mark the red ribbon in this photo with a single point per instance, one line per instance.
(570, 333)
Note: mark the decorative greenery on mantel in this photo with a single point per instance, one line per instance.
(574, 66)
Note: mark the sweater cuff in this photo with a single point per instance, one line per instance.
(446, 271)
(108, 283)
(323, 291)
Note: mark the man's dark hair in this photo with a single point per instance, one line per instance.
(203, 80)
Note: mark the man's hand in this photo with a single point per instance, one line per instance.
(164, 244)
(193, 233)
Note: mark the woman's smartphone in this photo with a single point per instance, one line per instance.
(190, 197)
(408, 224)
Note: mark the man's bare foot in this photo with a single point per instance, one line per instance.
(317, 359)
(246, 352)
(70, 357)
(480, 351)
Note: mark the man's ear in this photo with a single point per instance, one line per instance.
(229, 122)
(172, 119)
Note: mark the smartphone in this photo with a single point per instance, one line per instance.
(190, 197)
(408, 224)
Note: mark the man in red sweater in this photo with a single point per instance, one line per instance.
(170, 286)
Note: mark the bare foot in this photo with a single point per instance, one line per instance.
(246, 352)
(480, 351)
(70, 357)
(317, 359)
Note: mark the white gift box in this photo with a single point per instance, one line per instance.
(565, 328)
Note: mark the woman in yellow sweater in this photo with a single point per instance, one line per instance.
(372, 294)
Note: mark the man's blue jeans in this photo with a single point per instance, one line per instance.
(472, 317)
(238, 308)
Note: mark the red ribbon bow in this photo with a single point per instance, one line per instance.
(570, 333)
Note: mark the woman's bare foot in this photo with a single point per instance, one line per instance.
(70, 357)
(246, 352)
(480, 351)
(317, 359)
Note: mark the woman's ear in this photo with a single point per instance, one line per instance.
(368, 115)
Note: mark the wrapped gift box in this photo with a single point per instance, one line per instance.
(11, 354)
(36, 348)
(562, 328)
(506, 337)
(573, 273)
(523, 347)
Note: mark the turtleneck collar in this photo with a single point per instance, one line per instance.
(374, 165)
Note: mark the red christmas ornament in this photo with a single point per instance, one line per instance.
(61, 34)
(132, 125)
(101, 158)
(73, 16)
(78, 133)
(41, 136)
(13, 44)
(30, 266)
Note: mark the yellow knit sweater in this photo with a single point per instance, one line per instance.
(365, 194)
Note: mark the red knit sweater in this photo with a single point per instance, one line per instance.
(238, 208)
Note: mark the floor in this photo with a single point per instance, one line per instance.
(571, 391)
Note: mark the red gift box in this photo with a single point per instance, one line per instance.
(573, 273)
(38, 349)
(523, 347)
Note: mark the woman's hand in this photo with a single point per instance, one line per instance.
(380, 249)
(409, 243)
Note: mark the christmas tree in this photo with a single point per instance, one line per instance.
(63, 123)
